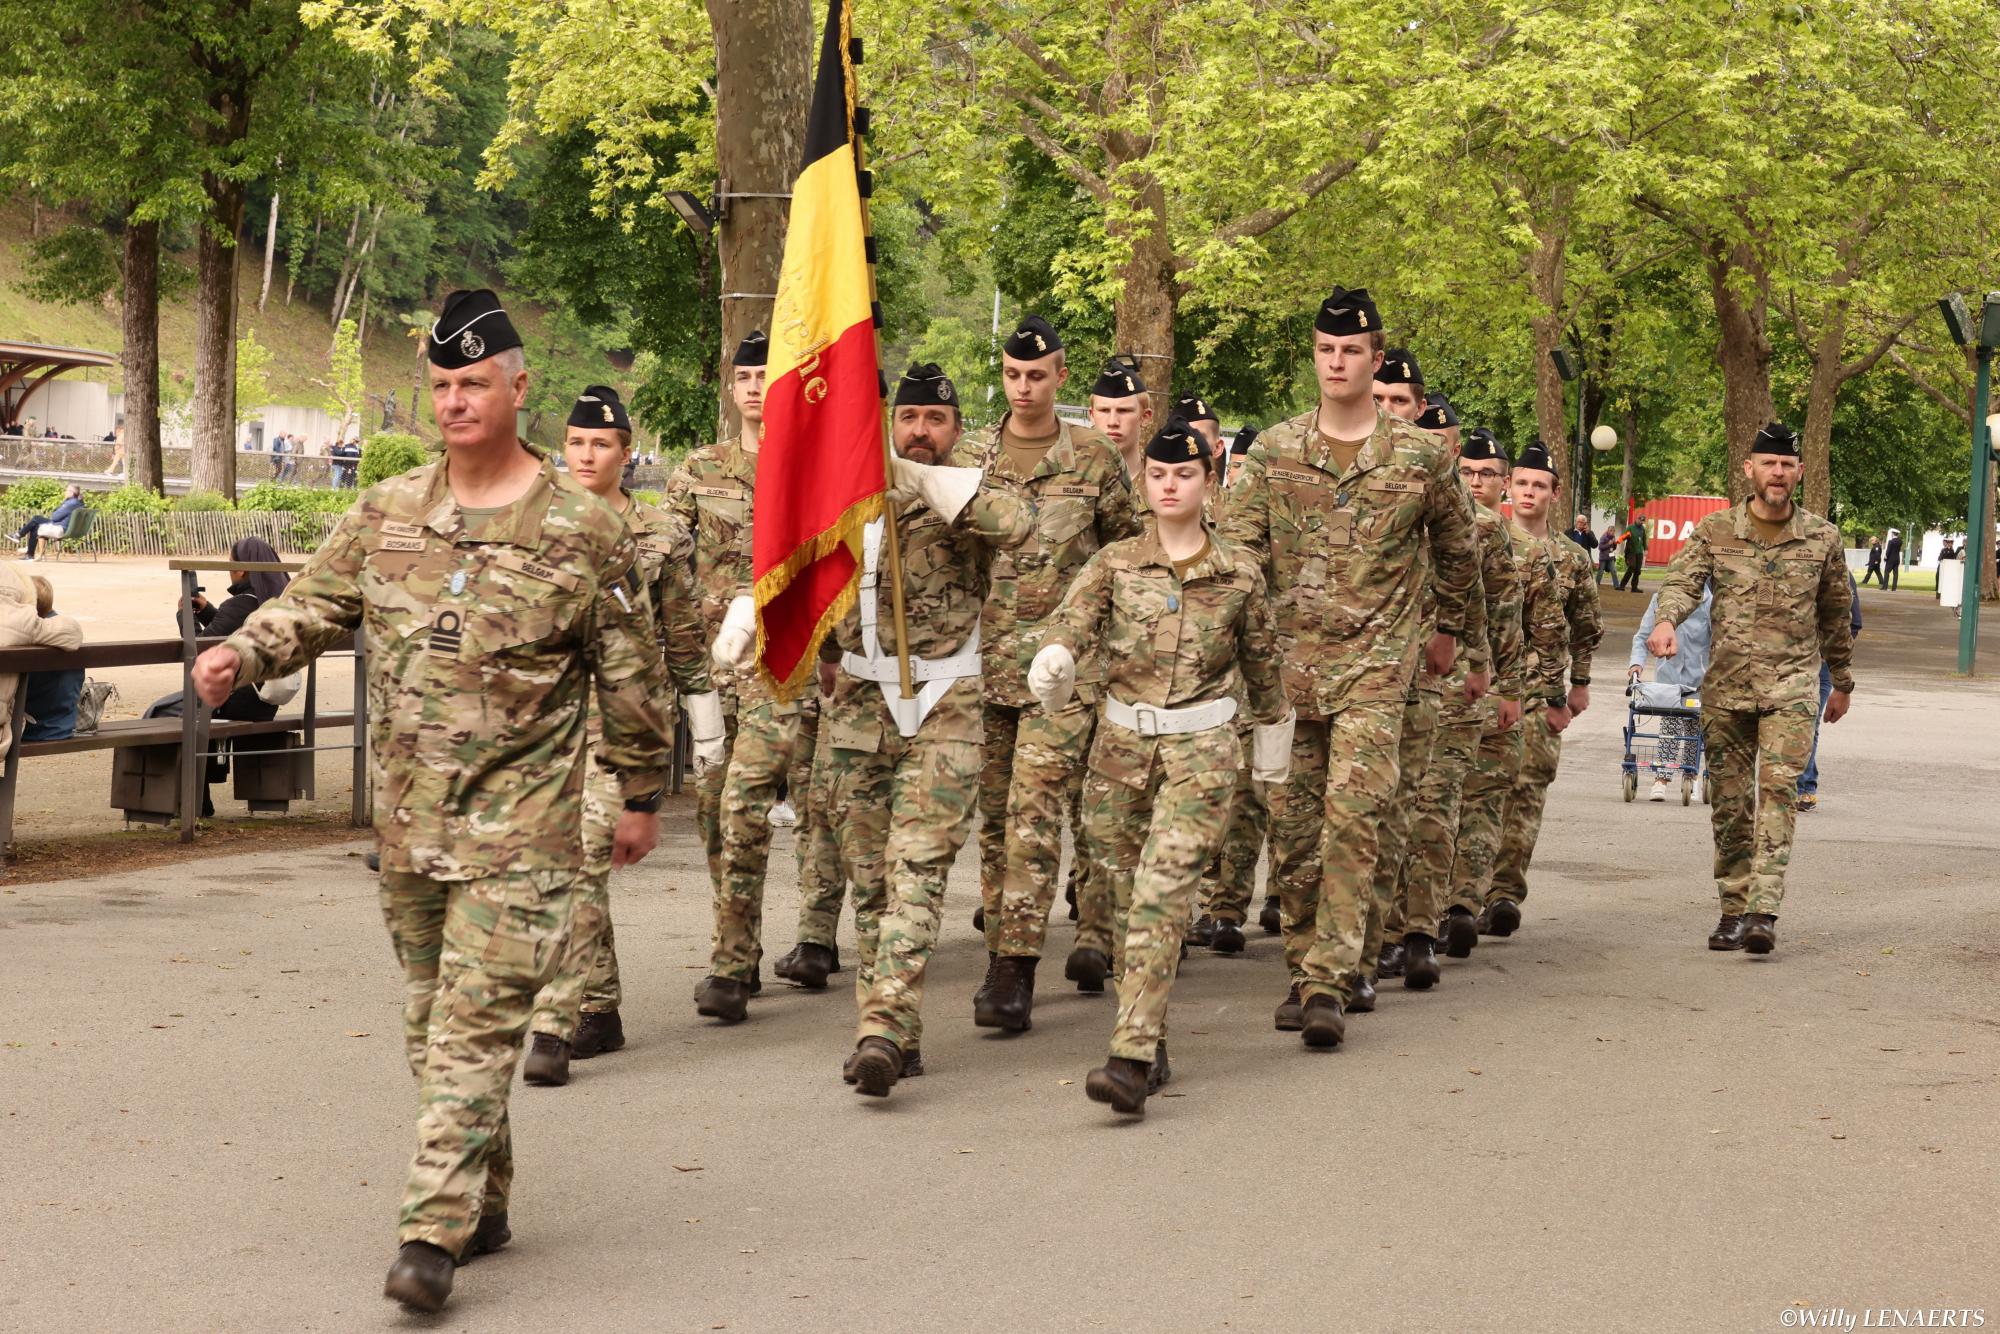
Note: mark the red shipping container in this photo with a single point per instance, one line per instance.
(1670, 519)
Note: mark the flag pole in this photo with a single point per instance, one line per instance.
(892, 544)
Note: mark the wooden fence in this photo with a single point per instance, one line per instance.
(200, 534)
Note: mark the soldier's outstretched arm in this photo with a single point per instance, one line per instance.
(1257, 657)
(1687, 575)
(1542, 624)
(1246, 510)
(1454, 546)
(1836, 627)
(683, 639)
(1586, 625)
(319, 607)
(629, 674)
(1500, 577)
(1001, 514)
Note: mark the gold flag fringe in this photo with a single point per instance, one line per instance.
(844, 531)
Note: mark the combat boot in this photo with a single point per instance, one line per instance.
(1087, 968)
(1202, 933)
(986, 986)
(491, 1235)
(807, 965)
(877, 1066)
(548, 1062)
(1069, 893)
(1120, 1082)
(1760, 933)
(1391, 965)
(979, 918)
(1728, 933)
(1461, 933)
(1270, 918)
(1229, 938)
(913, 1065)
(1323, 1027)
(1501, 918)
(597, 1032)
(723, 998)
(1010, 1001)
(421, 1277)
(1159, 1072)
(1363, 1001)
(373, 861)
(1290, 1017)
(1420, 963)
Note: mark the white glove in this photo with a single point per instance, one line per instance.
(705, 725)
(946, 490)
(737, 636)
(1271, 749)
(1052, 676)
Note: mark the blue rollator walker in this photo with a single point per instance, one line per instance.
(1666, 746)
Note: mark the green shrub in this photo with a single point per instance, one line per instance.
(385, 456)
(201, 502)
(647, 497)
(273, 497)
(37, 495)
(130, 499)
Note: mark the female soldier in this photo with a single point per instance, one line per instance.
(1180, 614)
(576, 1014)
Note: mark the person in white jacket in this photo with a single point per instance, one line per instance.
(23, 626)
(1674, 680)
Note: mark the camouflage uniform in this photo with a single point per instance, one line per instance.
(1780, 609)
(486, 648)
(1231, 879)
(1033, 766)
(711, 493)
(1496, 764)
(822, 885)
(587, 977)
(1341, 552)
(1425, 876)
(906, 802)
(1154, 808)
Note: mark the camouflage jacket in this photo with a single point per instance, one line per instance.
(1083, 503)
(664, 573)
(710, 495)
(1168, 641)
(1343, 554)
(1544, 642)
(482, 654)
(1780, 610)
(1500, 589)
(945, 581)
(1579, 602)
(1475, 644)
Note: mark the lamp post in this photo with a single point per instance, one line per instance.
(1982, 339)
(1602, 439)
(1569, 368)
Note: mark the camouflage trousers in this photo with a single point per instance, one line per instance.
(1521, 822)
(1425, 889)
(905, 810)
(586, 975)
(1231, 879)
(1754, 760)
(1031, 775)
(759, 756)
(474, 952)
(1151, 842)
(822, 885)
(1386, 913)
(1495, 765)
(1325, 823)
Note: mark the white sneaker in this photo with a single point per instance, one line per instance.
(783, 815)
(1659, 790)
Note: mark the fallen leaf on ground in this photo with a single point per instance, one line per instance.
(1065, 1082)
(351, 1033)
(1471, 1071)
(679, 1168)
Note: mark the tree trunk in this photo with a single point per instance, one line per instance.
(214, 462)
(1545, 281)
(1744, 352)
(1822, 394)
(270, 253)
(141, 354)
(764, 51)
(1147, 302)
(1631, 456)
(346, 265)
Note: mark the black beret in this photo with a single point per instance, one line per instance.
(470, 327)
(1438, 413)
(754, 350)
(1776, 438)
(1192, 407)
(1177, 442)
(1034, 340)
(924, 385)
(1535, 458)
(1348, 312)
(598, 409)
(1244, 439)
(1481, 443)
(1399, 366)
(1119, 379)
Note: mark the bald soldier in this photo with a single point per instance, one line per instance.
(1337, 506)
(493, 595)
(1032, 770)
(1781, 608)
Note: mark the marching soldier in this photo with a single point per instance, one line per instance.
(1033, 765)
(1122, 410)
(1535, 499)
(576, 1014)
(711, 493)
(1781, 608)
(1186, 628)
(1201, 419)
(904, 773)
(1337, 506)
(488, 586)
(822, 886)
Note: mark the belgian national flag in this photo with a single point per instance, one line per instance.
(820, 466)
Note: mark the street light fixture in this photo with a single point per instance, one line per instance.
(699, 220)
(1603, 439)
(1978, 515)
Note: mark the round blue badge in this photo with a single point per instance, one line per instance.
(458, 582)
(1173, 602)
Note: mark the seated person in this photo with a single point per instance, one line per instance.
(52, 525)
(23, 626)
(50, 705)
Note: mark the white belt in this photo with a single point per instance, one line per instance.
(871, 665)
(1147, 720)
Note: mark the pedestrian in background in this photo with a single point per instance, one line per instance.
(1892, 560)
(1635, 553)
(1607, 553)
(1874, 570)
(1579, 533)
(1809, 780)
(1674, 679)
